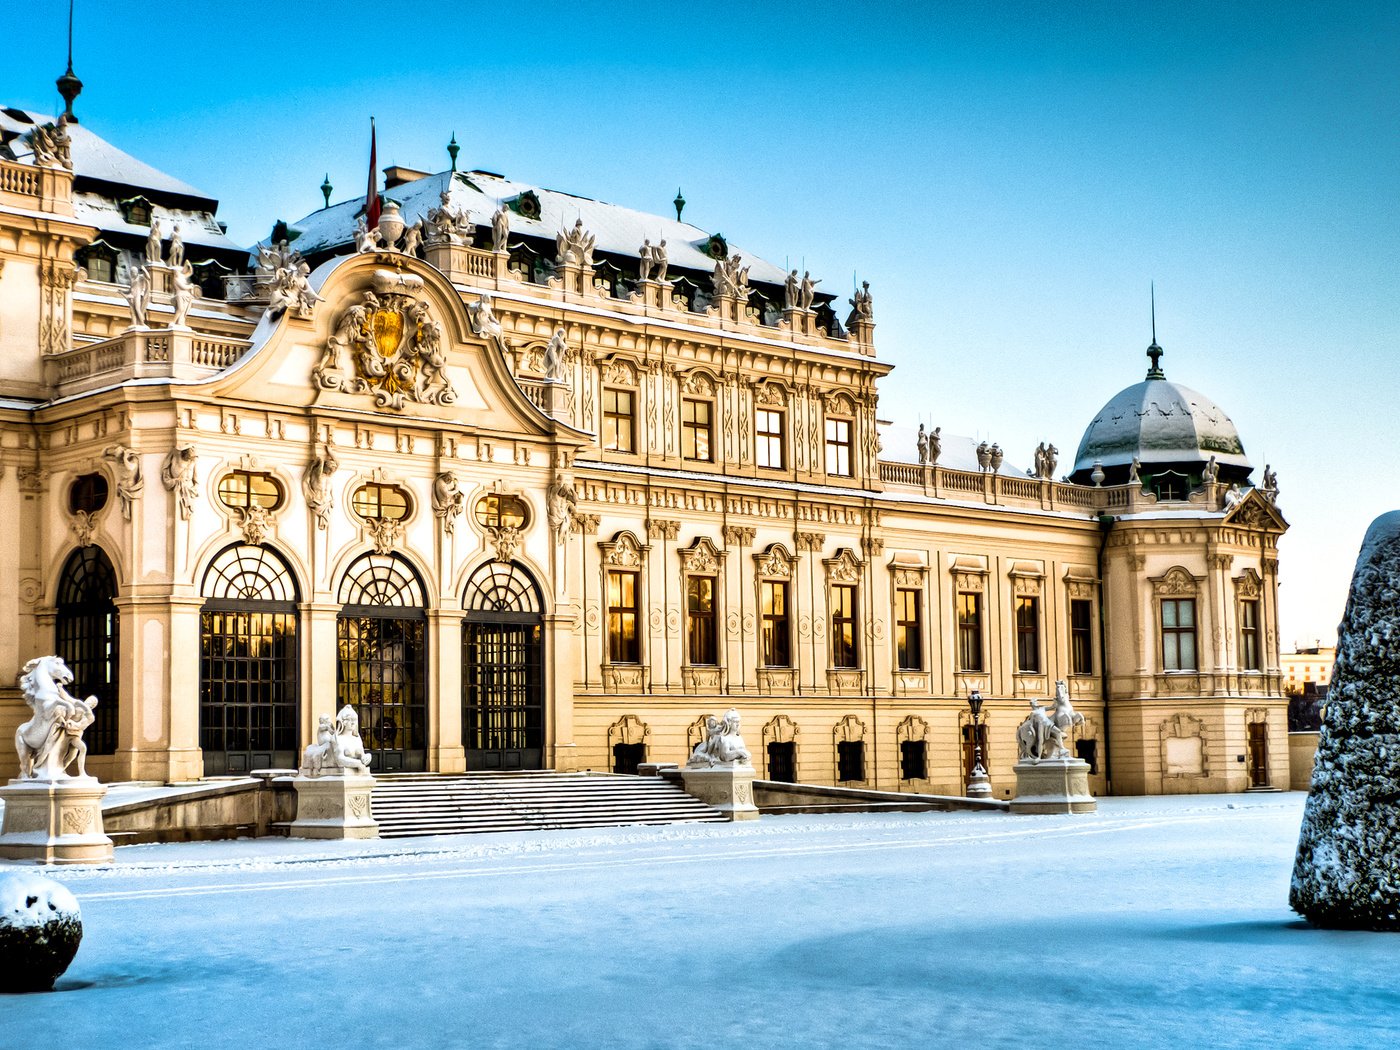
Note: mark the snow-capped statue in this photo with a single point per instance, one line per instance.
(1345, 872)
(722, 746)
(52, 739)
(338, 750)
(1038, 737)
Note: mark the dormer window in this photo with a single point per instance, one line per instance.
(99, 259)
(136, 211)
(527, 205)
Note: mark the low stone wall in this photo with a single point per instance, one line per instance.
(772, 796)
(247, 806)
(1301, 749)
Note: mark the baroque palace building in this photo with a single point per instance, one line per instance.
(538, 482)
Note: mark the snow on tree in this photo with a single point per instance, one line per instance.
(1347, 873)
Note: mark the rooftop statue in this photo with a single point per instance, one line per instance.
(500, 229)
(184, 294)
(792, 292)
(153, 256)
(177, 247)
(555, 352)
(338, 750)
(935, 446)
(660, 260)
(574, 246)
(1234, 495)
(290, 287)
(921, 442)
(52, 739)
(807, 293)
(448, 223)
(1211, 472)
(722, 746)
(138, 296)
(413, 238)
(862, 306)
(1270, 484)
(645, 262)
(1133, 469)
(51, 145)
(366, 240)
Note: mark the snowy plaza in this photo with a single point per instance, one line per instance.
(1155, 922)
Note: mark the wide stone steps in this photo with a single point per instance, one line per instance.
(472, 803)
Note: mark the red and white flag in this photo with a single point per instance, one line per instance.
(372, 192)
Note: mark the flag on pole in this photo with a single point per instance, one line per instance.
(372, 192)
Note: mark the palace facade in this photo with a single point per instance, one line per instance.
(535, 481)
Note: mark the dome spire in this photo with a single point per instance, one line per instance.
(69, 86)
(1154, 352)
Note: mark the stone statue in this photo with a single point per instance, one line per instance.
(1039, 738)
(138, 296)
(52, 146)
(184, 294)
(1211, 472)
(722, 746)
(484, 322)
(1038, 471)
(861, 306)
(792, 292)
(339, 751)
(1234, 495)
(52, 739)
(1065, 717)
(500, 229)
(574, 246)
(413, 238)
(449, 223)
(555, 353)
(921, 442)
(177, 247)
(560, 502)
(984, 456)
(644, 263)
(1270, 484)
(448, 500)
(935, 446)
(807, 292)
(1133, 469)
(291, 289)
(661, 260)
(1051, 461)
(366, 240)
(129, 479)
(995, 456)
(316, 486)
(153, 256)
(178, 475)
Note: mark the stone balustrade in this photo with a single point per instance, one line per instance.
(141, 353)
(1008, 490)
(36, 188)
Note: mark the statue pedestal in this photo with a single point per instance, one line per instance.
(54, 821)
(1053, 785)
(728, 789)
(333, 808)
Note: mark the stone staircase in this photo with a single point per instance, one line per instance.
(472, 803)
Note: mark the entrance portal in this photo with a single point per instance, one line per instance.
(502, 669)
(1258, 754)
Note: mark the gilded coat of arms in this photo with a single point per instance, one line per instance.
(388, 345)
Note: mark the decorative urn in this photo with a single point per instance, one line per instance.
(391, 224)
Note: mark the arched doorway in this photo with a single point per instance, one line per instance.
(382, 666)
(503, 669)
(85, 636)
(248, 688)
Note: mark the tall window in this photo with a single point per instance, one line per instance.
(624, 646)
(1028, 634)
(85, 635)
(619, 420)
(1178, 634)
(908, 632)
(838, 447)
(913, 760)
(777, 647)
(1249, 635)
(696, 430)
(768, 438)
(843, 626)
(700, 608)
(1081, 636)
(969, 631)
(850, 760)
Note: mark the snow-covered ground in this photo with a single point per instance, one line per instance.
(1156, 922)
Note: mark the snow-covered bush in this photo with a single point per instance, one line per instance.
(40, 927)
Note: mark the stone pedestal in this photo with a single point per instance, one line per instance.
(54, 821)
(1053, 785)
(728, 789)
(333, 808)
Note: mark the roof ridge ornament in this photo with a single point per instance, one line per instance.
(69, 86)
(1154, 352)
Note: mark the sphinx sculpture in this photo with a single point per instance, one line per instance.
(339, 751)
(722, 746)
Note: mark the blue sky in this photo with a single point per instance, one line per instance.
(1008, 177)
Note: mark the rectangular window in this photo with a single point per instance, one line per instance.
(908, 631)
(969, 631)
(696, 430)
(700, 610)
(777, 650)
(1081, 636)
(850, 760)
(913, 760)
(838, 447)
(768, 438)
(1028, 635)
(782, 761)
(624, 645)
(1249, 635)
(619, 421)
(1178, 634)
(843, 626)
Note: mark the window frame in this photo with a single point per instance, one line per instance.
(623, 648)
(1249, 635)
(611, 431)
(693, 430)
(844, 651)
(909, 630)
(766, 441)
(226, 488)
(842, 446)
(970, 633)
(774, 626)
(1027, 621)
(1176, 632)
(1081, 637)
(701, 630)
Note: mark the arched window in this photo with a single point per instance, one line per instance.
(248, 686)
(85, 636)
(382, 665)
(502, 669)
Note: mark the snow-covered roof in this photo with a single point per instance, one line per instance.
(617, 230)
(1160, 422)
(96, 158)
(196, 227)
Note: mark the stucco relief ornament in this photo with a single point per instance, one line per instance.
(255, 522)
(393, 345)
(560, 502)
(178, 475)
(447, 501)
(52, 739)
(83, 525)
(130, 481)
(384, 533)
(316, 486)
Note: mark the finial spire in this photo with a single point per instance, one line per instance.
(69, 86)
(326, 189)
(452, 150)
(679, 202)
(1154, 352)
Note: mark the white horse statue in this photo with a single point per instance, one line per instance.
(53, 738)
(1065, 716)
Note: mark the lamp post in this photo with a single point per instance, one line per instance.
(978, 786)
